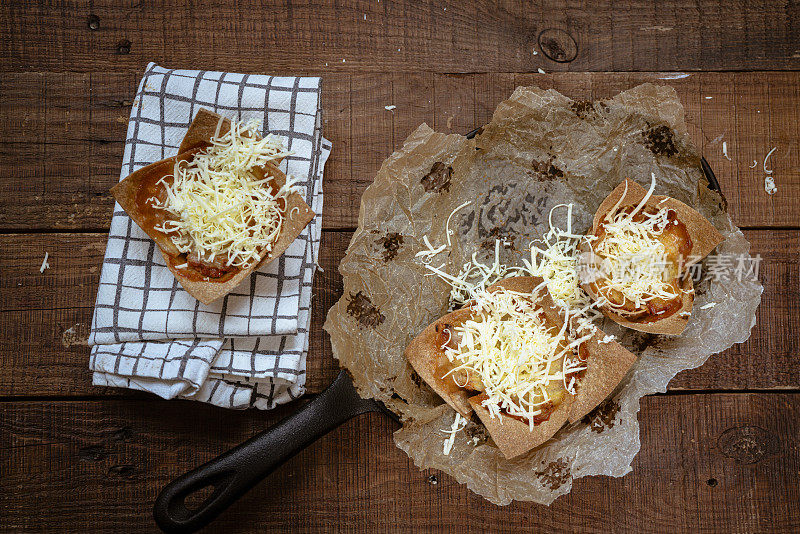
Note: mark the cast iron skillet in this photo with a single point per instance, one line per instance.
(233, 473)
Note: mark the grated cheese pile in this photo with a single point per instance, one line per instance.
(220, 206)
(555, 260)
(474, 276)
(633, 260)
(516, 356)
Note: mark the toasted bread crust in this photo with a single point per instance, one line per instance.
(704, 238)
(132, 194)
(607, 365)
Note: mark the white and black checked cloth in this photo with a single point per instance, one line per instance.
(249, 348)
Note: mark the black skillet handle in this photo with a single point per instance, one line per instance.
(232, 474)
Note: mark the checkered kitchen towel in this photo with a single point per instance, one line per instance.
(249, 348)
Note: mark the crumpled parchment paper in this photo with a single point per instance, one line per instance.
(540, 149)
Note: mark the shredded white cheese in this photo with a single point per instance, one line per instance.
(753, 166)
(428, 253)
(769, 181)
(45, 265)
(447, 231)
(389, 108)
(725, 150)
(514, 354)
(607, 339)
(522, 356)
(769, 171)
(218, 205)
(769, 185)
(451, 433)
(556, 261)
(541, 71)
(707, 306)
(475, 276)
(632, 260)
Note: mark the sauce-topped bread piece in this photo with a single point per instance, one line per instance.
(636, 263)
(510, 358)
(218, 209)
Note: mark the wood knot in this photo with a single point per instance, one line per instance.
(92, 453)
(93, 22)
(124, 434)
(747, 444)
(558, 45)
(122, 471)
(123, 47)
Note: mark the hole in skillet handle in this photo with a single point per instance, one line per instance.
(713, 184)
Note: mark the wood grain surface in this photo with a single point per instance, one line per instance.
(707, 462)
(47, 317)
(65, 134)
(719, 449)
(399, 36)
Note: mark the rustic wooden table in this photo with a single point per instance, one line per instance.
(719, 449)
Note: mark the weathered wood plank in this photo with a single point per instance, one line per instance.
(371, 133)
(454, 103)
(398, 36)
(337, 118)
(490, 90)
(413, 95)
(63, 135)
(45, 317)
(725, 461)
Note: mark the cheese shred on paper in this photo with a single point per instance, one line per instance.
(540, 150)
